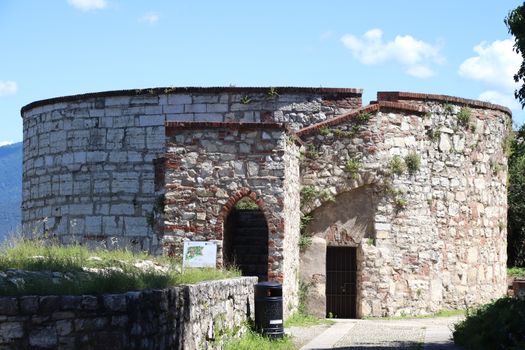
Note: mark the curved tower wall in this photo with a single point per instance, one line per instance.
(93, 169)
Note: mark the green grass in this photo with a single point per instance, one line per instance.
(85, 272)
(442, 313)
(516, 272)
(254, 341)
(303, 320)
(498, 325)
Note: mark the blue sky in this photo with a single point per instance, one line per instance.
(62, 47)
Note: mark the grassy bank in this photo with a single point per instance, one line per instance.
(55, 269)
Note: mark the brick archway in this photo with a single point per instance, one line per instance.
(230, 204)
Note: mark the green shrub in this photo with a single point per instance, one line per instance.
(397, 165)
(516, 272)
(413, 162)
(499, 325)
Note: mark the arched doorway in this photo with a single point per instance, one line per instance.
(245, 243)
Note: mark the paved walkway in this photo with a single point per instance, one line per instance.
(409, 334)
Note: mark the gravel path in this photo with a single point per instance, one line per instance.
(375, 336)
(408, 334)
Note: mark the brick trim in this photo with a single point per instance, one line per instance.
(398, 95)
(191, 89)
(381, 105)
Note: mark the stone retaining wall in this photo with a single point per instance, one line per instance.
(186, 317)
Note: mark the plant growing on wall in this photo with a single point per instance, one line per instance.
(246, 204)
(434, 134)
(448, 108)
(352, 167)
(362, 118)
(304, 239)
(158, 210)
(311, 152)
(397, 165)
(324, 131)
(413, 162)
(245, 100)
(464, 116)
(272, 92)
(308, 193)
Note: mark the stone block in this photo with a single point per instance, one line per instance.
(49, 304)
(8, 306)
(179, 99)
(11, 330)
(29, 304)
(151, 120)
(115, 302)
(45, 337)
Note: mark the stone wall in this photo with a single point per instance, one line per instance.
(439, 232)
(211, 166)
(187, 317)
(93, 163)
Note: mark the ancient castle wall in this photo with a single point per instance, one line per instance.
(93, 164)
(439, 231)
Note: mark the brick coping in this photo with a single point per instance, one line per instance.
(193, 89)
(374, 107)
(400, 95)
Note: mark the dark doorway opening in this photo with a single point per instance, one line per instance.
(245, 242)
(341, 282)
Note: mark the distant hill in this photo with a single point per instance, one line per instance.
(10, 188)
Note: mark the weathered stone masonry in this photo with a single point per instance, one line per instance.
(186, 317)
(429, 240)
(147, 169)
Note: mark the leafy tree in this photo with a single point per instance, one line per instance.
(516, 201)
(515, 22)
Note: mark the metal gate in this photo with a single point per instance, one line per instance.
(341, 282)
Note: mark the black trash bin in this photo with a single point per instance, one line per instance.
(269, 309)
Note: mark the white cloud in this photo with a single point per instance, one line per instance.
(88, 5)
(495, 64)
(5, 143)
(499, 98)
(417, 56)
(8, 88)
(150, 18)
